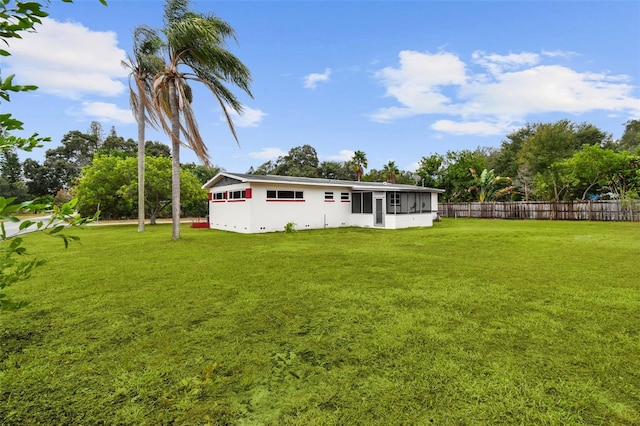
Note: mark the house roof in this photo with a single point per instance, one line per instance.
(353, 185)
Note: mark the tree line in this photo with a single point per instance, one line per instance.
(101, 172)
(540, 161)
(543, 161)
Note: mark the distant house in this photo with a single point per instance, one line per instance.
(250, 203)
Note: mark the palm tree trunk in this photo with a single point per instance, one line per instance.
(141, 153)
(175, 161)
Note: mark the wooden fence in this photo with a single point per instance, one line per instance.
(562, 210)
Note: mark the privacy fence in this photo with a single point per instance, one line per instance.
(562, 210)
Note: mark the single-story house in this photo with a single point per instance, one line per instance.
(249, 203)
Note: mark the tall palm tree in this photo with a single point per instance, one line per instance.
(390, 171)
(144, 64)
(359, 162)
(195, 50)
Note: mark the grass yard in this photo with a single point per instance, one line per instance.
(471, 322)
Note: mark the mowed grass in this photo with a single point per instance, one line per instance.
(471, 322)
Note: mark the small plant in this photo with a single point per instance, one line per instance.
(290, 227)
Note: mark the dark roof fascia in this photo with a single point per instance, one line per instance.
(353, 185)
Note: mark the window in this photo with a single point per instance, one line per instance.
(328, 195)
(236, 195)
(356, 203)
(367, 202)
(362, 202)
(408, 202)
(413, 198)
(344, 196)
(241, 194)
(285, 195)
(425, 202)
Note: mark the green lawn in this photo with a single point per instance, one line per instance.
(471, 322)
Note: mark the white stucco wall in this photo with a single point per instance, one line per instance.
(313, 212)
(408, 220)
(362, 220)
(231, 215)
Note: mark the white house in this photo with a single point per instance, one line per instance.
(250, 203)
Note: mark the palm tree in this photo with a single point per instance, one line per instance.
(143, 66)
(390, 171)
(359, 163)
(195, 42)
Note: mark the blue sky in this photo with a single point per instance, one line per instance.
(398, 80)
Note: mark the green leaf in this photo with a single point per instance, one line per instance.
(56, 229)
(25, 224)
(10, 218)
(15, 243)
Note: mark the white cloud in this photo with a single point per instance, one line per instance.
(106, 112)
(249, 118)
(412, 166)
(312, 80)
(417, 83)
(548, 88)
(559, 53)
(496, 64)
(343, 155)
(69, 60)
(481, 128)
(490, 103)
(268, 154)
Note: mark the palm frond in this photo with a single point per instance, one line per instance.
(197, 42)
(226, 67)
(192, 135)
(175, 10)
(142, 66)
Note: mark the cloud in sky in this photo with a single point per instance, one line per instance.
(312, 80)
(417, 83)
(107, 112)
(343, 155)
(492, 93)
(560, 53)
(480, 128)
(69, 60)
(268, 154)
(250, 117)
(496, 64)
